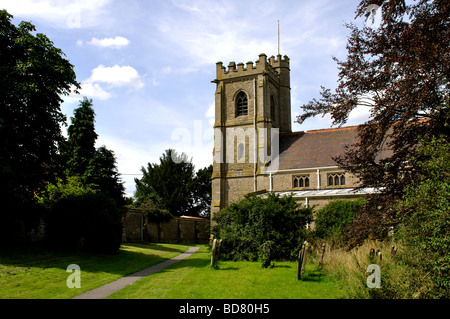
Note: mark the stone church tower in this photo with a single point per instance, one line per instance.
(252, 103)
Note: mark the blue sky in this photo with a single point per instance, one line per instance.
(148, 65)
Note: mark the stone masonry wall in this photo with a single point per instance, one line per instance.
(183, 230)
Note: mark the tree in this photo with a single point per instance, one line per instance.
(34, 74)
(96, 167)
(80, 147)
(401, 71)
(201, 193)
(102, 175)
(167, 184)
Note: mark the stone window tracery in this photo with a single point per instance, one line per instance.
(241, 104)
(336, 179)
(300, 181)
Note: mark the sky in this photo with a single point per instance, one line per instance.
(148, 65)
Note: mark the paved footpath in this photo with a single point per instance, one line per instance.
(108, 289)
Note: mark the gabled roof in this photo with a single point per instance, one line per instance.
(314, 148)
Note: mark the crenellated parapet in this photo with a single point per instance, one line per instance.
(271, 65)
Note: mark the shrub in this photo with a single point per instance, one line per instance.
(425, 229)
(86, 222)
(332, 218)
(267, 229)
(52, 193)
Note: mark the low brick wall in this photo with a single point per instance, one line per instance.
(181, 230)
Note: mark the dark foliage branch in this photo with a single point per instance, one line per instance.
(401, 70)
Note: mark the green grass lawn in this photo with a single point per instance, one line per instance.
(193, 278)
(40, 273)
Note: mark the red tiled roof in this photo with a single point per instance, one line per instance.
(192, 217)
(314, 148)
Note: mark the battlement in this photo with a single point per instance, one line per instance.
(260, 66)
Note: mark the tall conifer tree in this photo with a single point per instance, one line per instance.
(96, 167)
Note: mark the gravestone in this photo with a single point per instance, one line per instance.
(213, 253)
(393, 251)
(302, 260)
(379, 255)
(219, 249)
(324, 245)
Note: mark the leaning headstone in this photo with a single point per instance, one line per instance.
(302, 260)
(219, 249)
(393, 251)
(304, 257)
(324, 245)
(379, 255)
(213, 253)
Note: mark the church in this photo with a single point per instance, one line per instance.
(255, 150)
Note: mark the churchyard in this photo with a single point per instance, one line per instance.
(42, 274)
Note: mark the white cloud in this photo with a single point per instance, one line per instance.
(113, 77)
(115, 43)
(213, 31)
(211, 110)
(116, 76)
(94, 90)
(211, 113)
(359, 115)
(208, 32)
(169, 69)
(65, 14)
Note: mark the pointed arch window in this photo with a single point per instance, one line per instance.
(336, 179)
(241, 104)
(300, 181)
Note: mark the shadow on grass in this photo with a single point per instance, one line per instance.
(156, 246)
(281, 266)
(123, 263)
(227, 268)
(313, 276)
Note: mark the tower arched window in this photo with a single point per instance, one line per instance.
(241, 104)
